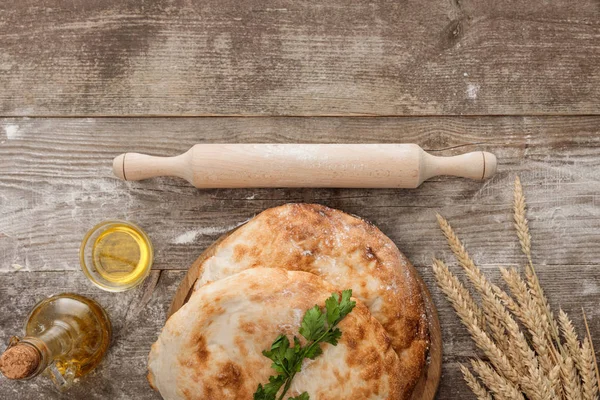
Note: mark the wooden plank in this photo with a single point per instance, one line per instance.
(56, 183)
(275, 57)
(139, 315)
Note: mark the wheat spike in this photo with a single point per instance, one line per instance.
(530, 317)
(588, 377)
(522, 227)
(591, 355)
(571, 339)
(509, 303)
(485, 289)
(453, 290)
(589, 336)
(537, 367)
(518, 287)
(480, 392)
(570, 379)
(518, 349)
(498, 384)
(534, 381)
(555, 382)
(519, 208)
(536, 385)
(499, 320)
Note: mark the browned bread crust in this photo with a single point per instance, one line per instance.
(211, 348)
(346, 251)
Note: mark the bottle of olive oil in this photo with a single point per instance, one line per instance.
(66, 337)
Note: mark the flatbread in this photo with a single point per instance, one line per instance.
(347, 252)
(210, 349)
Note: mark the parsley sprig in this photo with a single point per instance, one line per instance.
(318, 326)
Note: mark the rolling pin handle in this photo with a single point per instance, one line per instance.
(490, 165)
(477, 165)
(119, 166)
(136, 167)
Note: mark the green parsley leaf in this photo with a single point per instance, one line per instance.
(279, 354)
(332, 306)
(297, 345)
(332, 337)
(303, 396)
(260, 393)
(317, 327)
(269, 391)
(313, 324)
(346, 305)
(313, 352)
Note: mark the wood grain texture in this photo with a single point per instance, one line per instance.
(56, 182)
(538, 61)
(139, 315)
(281, 57)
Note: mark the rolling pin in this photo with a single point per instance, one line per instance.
(305, 165)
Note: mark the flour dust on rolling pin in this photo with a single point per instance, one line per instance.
(305, 165)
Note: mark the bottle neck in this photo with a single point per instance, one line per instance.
(51, 344)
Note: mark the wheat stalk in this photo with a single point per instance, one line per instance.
(538, 366)
(537, 386)
(482, 285)
(571, 341)
(570, 379)
(458, 295)
(588, 378)
(555, 381)
(522, 227)
(498, 384)
(454, 289)
(480, 392)
(530, 317)
(590, 355)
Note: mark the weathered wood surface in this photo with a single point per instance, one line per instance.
(139, 315)
(56, 182)
(281, 57)
(534, 65)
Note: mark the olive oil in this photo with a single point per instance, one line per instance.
(66, 336)
(120, 255)
(116, 255)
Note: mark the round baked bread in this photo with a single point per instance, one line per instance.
(347, 252)
(210, 349)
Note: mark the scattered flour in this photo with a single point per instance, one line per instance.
(472, 91)
(590, 288)
(187, 237)
(190, 236)
(12, 131)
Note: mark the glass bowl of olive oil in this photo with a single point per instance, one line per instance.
(116, 255)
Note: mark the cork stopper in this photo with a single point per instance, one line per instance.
(19, 361)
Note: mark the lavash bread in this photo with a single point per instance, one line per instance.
(211, 348)
(345, 251)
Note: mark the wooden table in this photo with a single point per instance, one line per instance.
(84, 80)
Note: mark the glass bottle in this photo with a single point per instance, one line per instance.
(66, 337)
